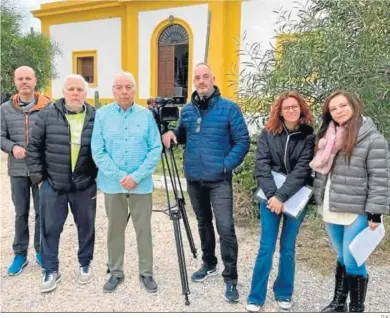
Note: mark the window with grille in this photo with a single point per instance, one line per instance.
(85, 68)
(174, 34)
(85, 64)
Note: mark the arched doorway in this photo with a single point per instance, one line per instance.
(173, 51)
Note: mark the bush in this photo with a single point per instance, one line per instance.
(245, 184)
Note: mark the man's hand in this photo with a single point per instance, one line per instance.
(168, 137)
(128, 183)
(275, 205)
(19, 152)
(373, 225)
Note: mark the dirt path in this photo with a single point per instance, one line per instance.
(21, 293)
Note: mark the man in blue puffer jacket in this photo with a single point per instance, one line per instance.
(217, 140)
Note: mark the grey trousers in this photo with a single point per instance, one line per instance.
(117, 208)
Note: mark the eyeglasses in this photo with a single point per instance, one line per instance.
(198, 121)
(292, 107)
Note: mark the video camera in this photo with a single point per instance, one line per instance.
(166, 109)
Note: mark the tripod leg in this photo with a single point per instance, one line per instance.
(175, 215)
(181, 203)
(183, 213)
(181, 259)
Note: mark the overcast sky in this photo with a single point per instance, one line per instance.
(25, 7)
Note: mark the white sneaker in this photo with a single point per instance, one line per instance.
(85, 276)
(49, 281)
(253, 308)
(285, 304)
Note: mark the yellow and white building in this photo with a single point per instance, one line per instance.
(158, 41)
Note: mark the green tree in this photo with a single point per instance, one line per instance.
(337, 44)
(332, 44)
(33, 49)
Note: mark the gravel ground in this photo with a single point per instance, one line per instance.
(21, 293)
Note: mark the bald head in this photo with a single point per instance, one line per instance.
(24, 70)
(25, 82)
(203, 80)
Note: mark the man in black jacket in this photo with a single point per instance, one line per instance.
(18, 116)
(59, 156)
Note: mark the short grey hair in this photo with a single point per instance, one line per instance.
(127, 74)
(78, 77)
(203, 64)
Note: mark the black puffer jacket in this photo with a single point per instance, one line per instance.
(289, 153)
(49, 150)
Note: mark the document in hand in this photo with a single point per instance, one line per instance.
(365, 243)
(296, 204)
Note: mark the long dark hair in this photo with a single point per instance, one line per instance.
(352, 125)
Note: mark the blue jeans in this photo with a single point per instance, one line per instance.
(284, 284)
(341, 236)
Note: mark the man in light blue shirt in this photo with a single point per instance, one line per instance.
(126, 147)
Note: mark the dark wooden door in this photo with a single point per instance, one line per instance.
(166, 71)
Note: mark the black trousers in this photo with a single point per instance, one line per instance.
(20, 190)
(217, 197)
(54, 211)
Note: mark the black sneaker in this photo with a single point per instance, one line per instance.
(204, 272)
(112, 283)
(231, 293)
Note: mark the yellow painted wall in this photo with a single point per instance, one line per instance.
(223, 48)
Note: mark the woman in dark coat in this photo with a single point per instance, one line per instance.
(286, 145)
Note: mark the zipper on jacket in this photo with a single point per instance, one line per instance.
(285, 148)
(200, 126)
(70, 143)
(285, 154)
(26, 127)
(26, 123)
(200, 134)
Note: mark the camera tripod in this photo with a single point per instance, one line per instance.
(176, 212)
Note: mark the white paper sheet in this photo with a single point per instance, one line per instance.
(365, 243)
(297, 202)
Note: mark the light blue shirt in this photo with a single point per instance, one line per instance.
(125, 143)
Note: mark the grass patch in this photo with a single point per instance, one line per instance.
(178, 154)
(160, 199)
(315, 249)
(381, 255)
(313, 246)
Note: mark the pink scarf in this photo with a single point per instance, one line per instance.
(328, 147)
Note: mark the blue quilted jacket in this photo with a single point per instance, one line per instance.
(216, 139)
